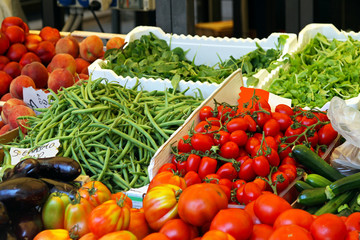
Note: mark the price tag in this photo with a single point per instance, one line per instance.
(35, 98)
(49, 149)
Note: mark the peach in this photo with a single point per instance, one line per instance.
(29, 57)
(115, 42)
(16, 51)
(68, 45)
(14, 21)
(9, 105)
(20, 82)
(4, 129)
(6, 97)
(15, 34)
(50, 34)
(19, 111)
(62, 60)
(59, 78)
(45, 51)
(13, 69)
(1, 124)
(82, 65)
(91, 48)
(81, 76)
(5, 80)
(4, 43)
(32, 42)
(37, 72)
(3, 61)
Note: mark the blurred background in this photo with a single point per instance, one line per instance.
(232, 18)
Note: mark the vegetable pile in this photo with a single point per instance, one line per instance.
(323, 69)
(151, 57)
(112, 131)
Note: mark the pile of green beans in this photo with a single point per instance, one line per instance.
(111, 130)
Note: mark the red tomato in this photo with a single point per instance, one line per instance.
(221, 137)
(202, 127)
(184, 144)
(77, 214)
(156, 236)
(208, 198)
(239, 137)
(211, 178)
(177, 229)
(224, 112)
(242, 159)
(205, 112)
(201, 142)
(123, 235)
(323, 117)
(207, 166)
(226, 189)
(249, 208)
(261, 232)
(273, 157)
(263, 185)
(239, 194)
(227, 171)
(167, 167)
(217, 235)
(89, 236)
(280, 180)
(269, 206)
(258, 136)
(282, 108)
(262, 104)
(251, 192)
(226, 182)
(288, 160)
(262, 118)
(353, 222)
(271, 142)
(289, 166)
(294, 216)
(293, 132)
(284, 151)
(237, 124)
(290, 232)
(327, 134)
(95, 192)
(59, 234)
(167, 178)
(214, 121)
(138, 225)
(261, 166)
(283, 119)
(161, 205)
(192, 178)
(328, 226)
(122, 196)
(234, 221)
(246, 171)
(353, 235)
(229, 150)
(193, 162)
(313, 138)
(308, 119)
(251, 144)
(251, 123)
(271, 127)
(238, 183)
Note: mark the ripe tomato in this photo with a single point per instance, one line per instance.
(280, 180)
(313, 138)
(271, 142)
(294, 216)
(239, 194)
(109, 217)
(213, 121)
(353, 235)
(238, 183)
(211, 178)
(261, 166)
(271, 127)
(192, 178)
(282, 108)
(290, 232)
(227, 171)
(289, 166)
(89, 236)
(221, 137)
(251, 192)
(160, 205)
(252, 127)
(261, 232)
(207, 166)
(234, 221)
(138, 225)
(284, 151)
(217, 235)
(95, 192)
(177, 229)
(293, 132)
(247, 172)
(229, 150)
(269, 206)
(237, 124)
(205, 112)
(263, 185)
(308, 119)
(167, 178)
(249, 208)
(201, 142)
(184, 144)
(262, 104)
(283, 119)
(327, 134)
(328, 226)
(251, 144)
(273, 157)
(289, 160)
(167, 167)
(202, 127)
(262, 118)
(122, 196)
(76, 217)
(208, 198)
(239, 137)
(193, 162)
(224, 112)
(123, 235)
(156, 236)
(353, 222)
(59, 234)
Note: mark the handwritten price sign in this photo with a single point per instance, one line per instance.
(36, 98)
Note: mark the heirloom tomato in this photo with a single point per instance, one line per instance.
(76, 216)
(123, 235)
(291, 232)
(328, 226)
(167, 178)
(89, 236)
(58, 234)
(122, 196)
(156, 236)
(177, 229)
(294, 216)
(108, 217)
(95, 192)
(161, 204)
(261, 232)
(207, 197)
(138, 225)
(53, 211)
(217, 235)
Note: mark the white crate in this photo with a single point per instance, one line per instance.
(305, 35)
(205, 50)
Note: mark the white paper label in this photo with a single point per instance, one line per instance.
(35, 98)
(49, 149)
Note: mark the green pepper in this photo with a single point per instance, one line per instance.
(53, 211)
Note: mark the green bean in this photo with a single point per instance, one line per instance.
(147, 113)
(106, 163)
(89, 110)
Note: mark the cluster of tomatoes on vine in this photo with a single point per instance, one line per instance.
(248, 150)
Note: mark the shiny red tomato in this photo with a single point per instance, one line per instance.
(283, 108)
(123, 235)
(353, 222)
(167, 178)
(261, 166)
(138, 225)
(293, 132)
(313, 138)
(284, 151)
(205, 112)
(237, 123)
(251, 192)
(283, 119)
(212, 178)
(234, 221)
(192, 178)
(262, 118)
(156, 236)
(289, 160)
(263, 185)
(207, 166)
(294, 216)
(193, 162)
(208, 198)
(229, 150)
(249, 208)
(280, 180)
(50, 234)
(184, 144)
(217, 235)
(238, 183)
(95, 192)
(239, 194)
(252, 126)
(239, 137)
(269, 206)
(273, 157)
(308, 119)
(247, 172)
(271, 127)
(262, 104)
(168, 167)
(221, 137)
(290, 232)
(177, 229)
(214, 121)
(224, 112)
(251, 144)
(202, 142)
(327, 134)
(261, 232)
(228, 171)
(289, 166)
(271, 142)
(328, 226)
(353, 235)
(202, 127)
(123, 197)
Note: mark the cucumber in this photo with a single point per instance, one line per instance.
(312, 197)
(301, 185)
(316, 180)
(315, 163)
(355, 203)
(333, 205)
(347, 183)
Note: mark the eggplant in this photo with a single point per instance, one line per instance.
(23, 193)
(59, 168)
(27, 224)
(29, 167)
(62, 187)
(4, 217)
(7, 233)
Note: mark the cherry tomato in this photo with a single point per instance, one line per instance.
(207, 166)
(271, 127)
(211, 178)
(251, 123)
(225, 112)
(201, 142)
(353, 222)
(221, 137)
(261, 166)
(205, 112)
(237, 124)
(167, 167)
(293, 132)
(246, 171)
(229, 150)
(308, 119)
(294, 216)
(227, 171)
(249, 208)
(202, 127)
(280, 180)
(288, 160)
(262, 118)
(192, 178)
(284, 151)
(184, 144)
(262, 104)
(327, 134)
(251, 192)
(239, 137)
(273, 157)
(261, 183)
(242, 159)
(193, 162)
(289, 166)
(251, 144)
(238, 183)
(283, 119)
(313, 139)
(271, 142)
(213, 121)
(328, 226)
(282, 108)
